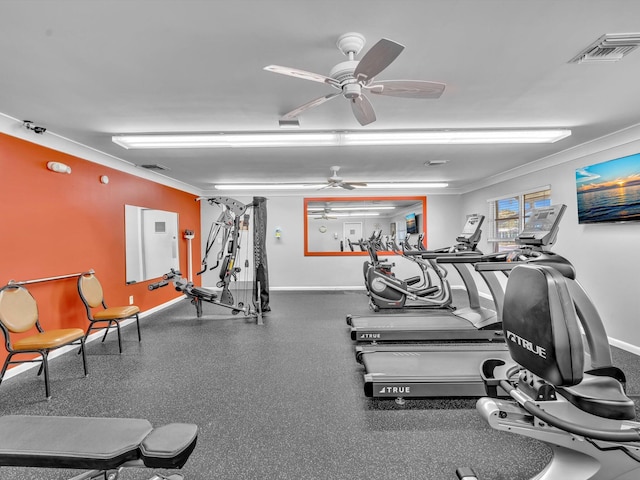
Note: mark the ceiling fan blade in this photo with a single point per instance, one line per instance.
(363, 110)
(313, 103)
(347, 186)
(377, 59)
(407, 88)
(358, 184)
(294, 72)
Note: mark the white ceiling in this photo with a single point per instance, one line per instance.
(89, 69)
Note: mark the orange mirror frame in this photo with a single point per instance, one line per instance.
(321, 224)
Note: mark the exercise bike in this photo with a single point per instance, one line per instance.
(584, 416)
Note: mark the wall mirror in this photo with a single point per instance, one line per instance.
(151, 238)
(331, 223)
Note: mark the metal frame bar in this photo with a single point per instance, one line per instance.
(49, 279)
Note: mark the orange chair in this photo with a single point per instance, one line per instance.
(105, 317)
(19, 314)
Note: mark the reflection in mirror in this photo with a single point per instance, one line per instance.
(335, 225)
(151, 243)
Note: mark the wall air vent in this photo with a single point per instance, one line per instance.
(610, 47)
(154, 166)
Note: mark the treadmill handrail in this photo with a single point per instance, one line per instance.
(470, 257)
(431, 254)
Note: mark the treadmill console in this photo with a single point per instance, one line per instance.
(541, 228)
(471, 232)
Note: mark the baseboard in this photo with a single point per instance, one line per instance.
(624, 346)
(23, 367)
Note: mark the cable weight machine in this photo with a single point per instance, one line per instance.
(227, 231)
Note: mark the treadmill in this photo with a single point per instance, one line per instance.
(454, 370)
(472, 323)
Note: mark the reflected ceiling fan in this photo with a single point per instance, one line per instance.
(325, 215)
(355, 77)
(335, 181)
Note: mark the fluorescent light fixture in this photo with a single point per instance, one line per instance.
(458, 137)
(327, 138)
(407, 185)
(318, 186)
(351, 214)
(227, 140)
(268, 186)
(351, 209)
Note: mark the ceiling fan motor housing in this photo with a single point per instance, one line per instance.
(343, 73)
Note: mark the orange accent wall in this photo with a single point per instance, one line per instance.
(57, 224)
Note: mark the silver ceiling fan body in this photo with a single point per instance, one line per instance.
(354, 77)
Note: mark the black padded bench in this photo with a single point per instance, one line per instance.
(93, 443)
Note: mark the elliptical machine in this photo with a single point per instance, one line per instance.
(386, 291)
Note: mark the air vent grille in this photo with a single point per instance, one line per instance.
(154, 166)
(610, 47)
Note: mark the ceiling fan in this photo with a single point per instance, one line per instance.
(325, 216)
(335, 181)
(354, 77)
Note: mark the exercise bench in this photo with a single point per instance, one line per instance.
(103, 446)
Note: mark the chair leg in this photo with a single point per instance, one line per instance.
(84, 356)
(106, 331)
(138, 325)
(119, 335)
(4, 367)
(45, 367)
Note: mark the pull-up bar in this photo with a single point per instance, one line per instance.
(48, 279)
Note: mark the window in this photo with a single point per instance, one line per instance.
(508, 215)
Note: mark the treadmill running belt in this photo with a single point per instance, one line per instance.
(444, 371)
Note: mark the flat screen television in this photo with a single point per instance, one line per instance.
(412, 225)
(609, 192)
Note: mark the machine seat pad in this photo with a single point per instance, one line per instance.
(413, 280)
(601, 396)
(116, 312)
(426, 291)
(49, 339)
(202, 292)
(169, 446)
(70, 442)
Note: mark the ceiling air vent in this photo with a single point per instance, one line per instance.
(610, 47)
(154, 166)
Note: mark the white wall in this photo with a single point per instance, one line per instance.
(290, 269)
(606, 256)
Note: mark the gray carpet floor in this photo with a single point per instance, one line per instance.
(279, 401)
